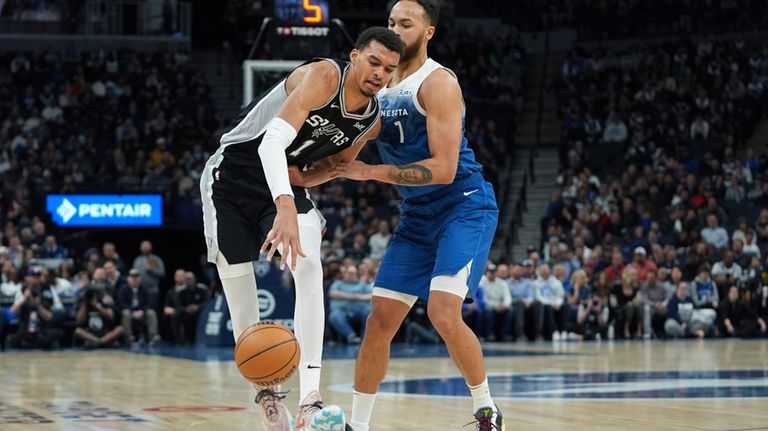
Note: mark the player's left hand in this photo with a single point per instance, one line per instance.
(285, 233)
(353, 170)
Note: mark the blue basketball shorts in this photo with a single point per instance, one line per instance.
(439, 234)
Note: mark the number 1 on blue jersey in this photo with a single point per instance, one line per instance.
(400, 128)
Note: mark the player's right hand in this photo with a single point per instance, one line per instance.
(285, 232)
(295, 176)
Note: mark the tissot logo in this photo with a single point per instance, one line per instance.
(302, 31)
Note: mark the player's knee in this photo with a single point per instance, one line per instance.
(445, 319)
(228, 270)
(381, 324)
(309, 263)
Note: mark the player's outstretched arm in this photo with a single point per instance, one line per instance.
(440, 95)
(308, 87)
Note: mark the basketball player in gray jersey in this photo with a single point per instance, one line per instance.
(321, 114)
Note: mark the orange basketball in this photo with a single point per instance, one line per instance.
(267, 353)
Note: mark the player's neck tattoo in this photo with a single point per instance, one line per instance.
(413, 174)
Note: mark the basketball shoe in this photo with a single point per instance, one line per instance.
(275, 414)
(488, 420)
(330, 418)
(313, 416)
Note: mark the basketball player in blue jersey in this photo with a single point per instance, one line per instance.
(447, 220)
(322, 113)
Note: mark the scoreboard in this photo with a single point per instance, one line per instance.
(301, 29)
(302, 12)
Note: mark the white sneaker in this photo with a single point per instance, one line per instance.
(556, 336)
(308, 408)
(275, 414)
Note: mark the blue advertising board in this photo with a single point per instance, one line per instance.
(105, 210)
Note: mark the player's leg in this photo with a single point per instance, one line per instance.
(309, 319)
(444, 310)
(239, 283)
(233, 241)
(388, 311)
(467, 233)
(403, 276)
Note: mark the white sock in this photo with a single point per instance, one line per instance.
(362, 407)
(239, 283)
(481, 396)
(309, 312)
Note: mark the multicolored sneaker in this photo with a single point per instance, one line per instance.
(488, 419)
(275, 414)
(331, 418)
(308, 407)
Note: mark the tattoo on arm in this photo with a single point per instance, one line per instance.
(412, 174)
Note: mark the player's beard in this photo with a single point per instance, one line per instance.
(411, 50)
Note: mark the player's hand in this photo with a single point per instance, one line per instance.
(353, 170)
(285, 232)
(296, 176)
(325, 164)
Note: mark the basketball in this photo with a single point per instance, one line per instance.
(267, 353)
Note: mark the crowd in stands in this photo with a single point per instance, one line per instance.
(658, 224)
(45, 302)
(94, 122)
(103, 121)
(602, 19)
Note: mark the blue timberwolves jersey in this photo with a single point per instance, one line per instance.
(403, 136)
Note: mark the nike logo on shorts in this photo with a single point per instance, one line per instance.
(311, 367)
(470, 192)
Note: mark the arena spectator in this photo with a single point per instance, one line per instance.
(704, 291)
(36, 306)
(549, 296)
(349, 305)
(498, 306)
(577, 293)
(133, 301)
(655, 294)
(182, 306)
(628, 306)
(97, 321)
(151, 267)
(523, 295)
(739, 319)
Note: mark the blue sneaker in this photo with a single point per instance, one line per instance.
(330, 418)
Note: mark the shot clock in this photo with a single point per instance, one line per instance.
(302, 12)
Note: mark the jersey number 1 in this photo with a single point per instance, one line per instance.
(400, 129)
(304, 146)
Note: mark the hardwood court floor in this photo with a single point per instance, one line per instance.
(688, 385)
